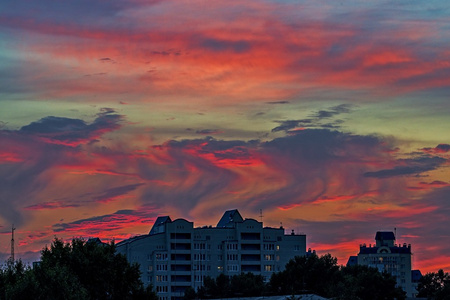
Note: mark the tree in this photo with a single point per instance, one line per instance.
(304, 274)
(223, 286)
(435, 286)
(80, 270)
(247, 285)
(363, 282)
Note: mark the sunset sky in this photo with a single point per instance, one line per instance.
(332, 117)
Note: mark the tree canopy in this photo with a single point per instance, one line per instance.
(75, 270)
(242, 285)
(435, 286)
(322, 276)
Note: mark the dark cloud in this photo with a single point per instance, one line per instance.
(225, 45)
(85, 11)
(277, 102)
(34, 150)
(73, 131)
(308, 162)
(291, 124)
(409, 167)
(95, 226)
(111, 193)
(315, 120)
(106, 59)
(193, 178)
(441, 148)
(166, 53)
(51, 205)
(208, 131)
(333, 111)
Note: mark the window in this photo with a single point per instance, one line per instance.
(232, 246)
(161, 267)
(232, 257)
(219, 257)
(232, 268)
(268, 268)
(199, 246)
(161, 278)
(268, 257)
(200, 256)
(199, 267)
(296, 248)
(269, 247)
(161, 256)
(161, 289)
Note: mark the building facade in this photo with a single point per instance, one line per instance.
(175, 255)
(387, 256)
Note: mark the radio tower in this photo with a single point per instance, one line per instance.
(12, 243)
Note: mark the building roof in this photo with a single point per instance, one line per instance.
(385, 236)
(395, 249)
(416, 275)
(94, 240)
(159, 222)
(229, 218)
(352, 261)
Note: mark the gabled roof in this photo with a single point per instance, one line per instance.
(94, 240)
(229, 218)
(352, 261)
(160, 221)
(385, 236)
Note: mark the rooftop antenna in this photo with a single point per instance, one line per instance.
(12, 242)
(395, 233)
(261, 215)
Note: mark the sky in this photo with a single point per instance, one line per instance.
(330, 117)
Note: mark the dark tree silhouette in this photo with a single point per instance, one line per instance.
(79, 270)
(435, 286)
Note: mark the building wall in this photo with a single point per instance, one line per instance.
(387, 256)
(178, 255)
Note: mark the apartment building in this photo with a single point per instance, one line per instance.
(386, 255)
(176, 255)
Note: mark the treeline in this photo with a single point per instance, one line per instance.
(93, 270)
(76, 270)
(305, 275)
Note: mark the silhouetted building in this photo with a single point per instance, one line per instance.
(387, 256)
(352, 261)
(416, 275)
(175, 255)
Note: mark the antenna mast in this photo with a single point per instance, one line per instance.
(12, 242)
(261, 215)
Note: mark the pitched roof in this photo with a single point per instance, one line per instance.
(160, 221)
(229, 218)
(385, 236)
